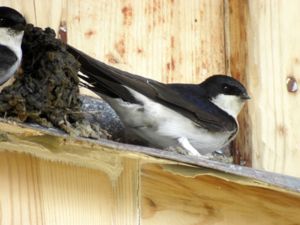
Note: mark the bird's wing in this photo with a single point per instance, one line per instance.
(7, 58)
(200, 110)
(111, 81)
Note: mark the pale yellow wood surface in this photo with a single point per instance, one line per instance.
(266, 49)
(126, 194)
(50, 179)
(205, 200)
(180, 41)
(35, 191)
(236, 12)
(40, 192)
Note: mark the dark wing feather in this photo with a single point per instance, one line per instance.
(7, 58)
(109, 81)
(204, 113)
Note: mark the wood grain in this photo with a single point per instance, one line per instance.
(265, 51)
(50, 178)
(41, 192)
(36, 191)
(126, 194)
(236, 41)
(164, 40)
(179, 199)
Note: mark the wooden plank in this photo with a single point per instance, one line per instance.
(49, 13)
(269, 53)
(178, 41)
(237, 53)
(36, 191)
(187, 198)
(47, 177)
(126, 196)
(88, 153)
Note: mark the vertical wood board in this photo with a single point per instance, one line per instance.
(170, 41)
(265, 51)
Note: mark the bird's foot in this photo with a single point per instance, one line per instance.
(186, 145)
(180, 150)
(220, 156)
(177, 149)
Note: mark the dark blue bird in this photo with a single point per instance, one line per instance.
(201, 118)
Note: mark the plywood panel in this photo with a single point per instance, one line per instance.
(265, 47)
(181, 199)
(179, 41)
(35, 191)
(49, 13)
(170, 41)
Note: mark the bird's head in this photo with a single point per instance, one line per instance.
(226, 92)
(11, 20)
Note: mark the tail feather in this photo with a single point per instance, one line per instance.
(99, 77)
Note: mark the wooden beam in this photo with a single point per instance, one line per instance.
(237, 53)
(181, 196)
(47, 176)
(265, 50)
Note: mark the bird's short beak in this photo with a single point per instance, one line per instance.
(245, 96)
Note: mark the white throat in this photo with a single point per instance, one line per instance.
(229, 103)
(12, 40)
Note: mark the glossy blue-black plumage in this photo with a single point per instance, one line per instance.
(191, 101)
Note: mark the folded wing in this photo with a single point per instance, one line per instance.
(107, 80)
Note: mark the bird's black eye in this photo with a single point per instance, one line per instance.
(4, 22)
(225, 87)
(229, 90)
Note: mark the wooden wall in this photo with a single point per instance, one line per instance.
(265, 52)
(186, 41)
(35, 191)
(48, 178)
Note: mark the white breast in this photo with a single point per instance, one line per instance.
(162, 126)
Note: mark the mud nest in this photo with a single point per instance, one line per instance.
(45, 90)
